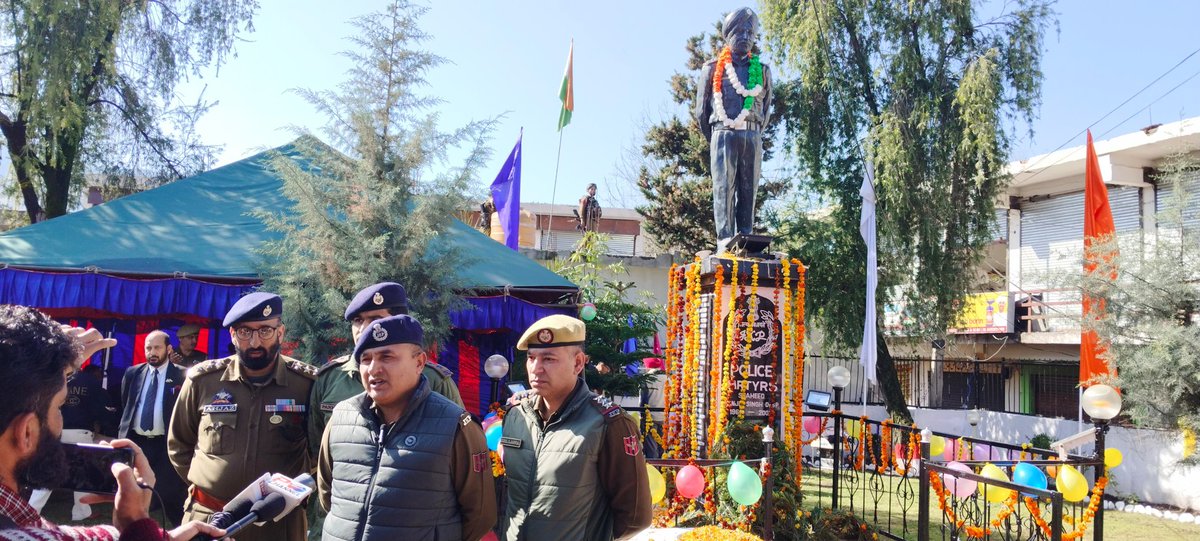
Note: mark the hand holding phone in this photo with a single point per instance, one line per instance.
(90, 466)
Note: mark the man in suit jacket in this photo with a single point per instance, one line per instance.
(148, 393)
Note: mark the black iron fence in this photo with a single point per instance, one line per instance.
(1044, 388)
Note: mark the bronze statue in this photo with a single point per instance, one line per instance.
(588, 212)
(732, 106)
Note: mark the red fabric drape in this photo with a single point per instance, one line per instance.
(468, 372)
(1097, 224)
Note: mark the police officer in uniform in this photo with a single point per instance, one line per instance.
(339, 379)
(573, 460)
(187, 355)
(239, 417)
(400, 461)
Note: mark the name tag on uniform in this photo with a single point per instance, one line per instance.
(328, 406)
(219, 408)
(511, 442)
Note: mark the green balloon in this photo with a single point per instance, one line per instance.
(744, 485)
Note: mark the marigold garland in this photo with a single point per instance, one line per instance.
(724, 67)
(716, 421)
(1088, 514)
(972, 530)
(748, 332)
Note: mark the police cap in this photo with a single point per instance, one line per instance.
(258, 306)
(386, 295)
(399, 329)
(553, 331)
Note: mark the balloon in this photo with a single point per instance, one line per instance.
(500, 453)
(812, 425)
(951, 452)
(982, 452)
(689, 482)
(937, 445)
(491, 536)
(1113, 457)
(490, 415)
(588, 312)
(1071, 483)
(1030, 476)
(493, 436)
(744, 485)
(1052, 472)
(961, 488)
(637, 417)
(898, 452)
(487, 423)
(658, 485)
(853, 429)
(994, 493)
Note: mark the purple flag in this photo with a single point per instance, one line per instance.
(506, 195)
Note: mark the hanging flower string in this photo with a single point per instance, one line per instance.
(1088, 514)
(724, 68)
(972, 530)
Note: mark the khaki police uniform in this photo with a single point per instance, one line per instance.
(227, 431)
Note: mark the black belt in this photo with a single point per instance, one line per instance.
(135, 434)
(750, 126)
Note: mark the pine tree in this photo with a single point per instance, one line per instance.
(1151, 323)
(372, 206)
(674, 177)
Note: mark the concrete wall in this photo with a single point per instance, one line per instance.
(1151, 470)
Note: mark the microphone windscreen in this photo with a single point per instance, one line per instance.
(222, 519)
(270, 507)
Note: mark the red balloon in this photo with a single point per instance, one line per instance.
(812, 425)
(689, 482)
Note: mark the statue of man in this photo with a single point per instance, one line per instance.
(732, 106)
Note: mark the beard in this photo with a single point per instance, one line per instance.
(47, 467)
(155, 360)
(258, 358)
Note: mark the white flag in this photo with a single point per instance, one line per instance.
(868, 355)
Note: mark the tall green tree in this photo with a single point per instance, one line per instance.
(930, 92)
(373, 204)
(1151, 323)
(95, 83)
(674, 176)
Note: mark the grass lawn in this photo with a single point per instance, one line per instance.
(894, 513)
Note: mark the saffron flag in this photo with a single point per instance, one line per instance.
(566, 93)
(1097, 225)
(868, 355)
(506, 195)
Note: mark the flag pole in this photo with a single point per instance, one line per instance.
(554, 189)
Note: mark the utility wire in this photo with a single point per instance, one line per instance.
(1109, 113)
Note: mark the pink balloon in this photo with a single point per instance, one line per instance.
(812, 425)
(489, 422)
(689, 482)
(951, 451)
(491, 536)
(982, 452)
(961, 488)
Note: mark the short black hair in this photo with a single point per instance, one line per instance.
(34, 354)
(398, 310)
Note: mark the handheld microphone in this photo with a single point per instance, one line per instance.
(269, 508)
(234, 510)
(291, 492)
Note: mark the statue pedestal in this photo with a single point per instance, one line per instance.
(735, 348)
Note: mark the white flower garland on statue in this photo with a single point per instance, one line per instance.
(739, 122)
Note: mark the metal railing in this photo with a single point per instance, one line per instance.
(1044, 388)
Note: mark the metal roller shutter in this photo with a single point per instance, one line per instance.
(1052, 248)
(1165, 199)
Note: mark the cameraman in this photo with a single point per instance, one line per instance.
(36, 355)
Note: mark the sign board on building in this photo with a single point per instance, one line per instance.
(985, 313)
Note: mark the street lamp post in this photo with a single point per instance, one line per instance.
(839, 378)
(496, 367)
(768, 438)
(1102, 403)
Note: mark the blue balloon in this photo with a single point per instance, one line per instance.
(1030, 476)
(493, 436)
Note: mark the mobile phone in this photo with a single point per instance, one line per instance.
(517, 386)
(90, 467)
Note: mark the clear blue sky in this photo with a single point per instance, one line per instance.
(508, 58)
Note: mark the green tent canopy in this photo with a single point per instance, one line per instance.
(204, 227)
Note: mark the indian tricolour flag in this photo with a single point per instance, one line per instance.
(567, 92)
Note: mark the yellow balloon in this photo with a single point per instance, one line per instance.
(994, 493)
(1189, 442)
(853, 429)
(1071, 483)
(658, 485)
(937, 445)
(637, 418)
(1113, 457)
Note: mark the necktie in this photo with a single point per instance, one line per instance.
(148, 400)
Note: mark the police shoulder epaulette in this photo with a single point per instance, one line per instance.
(302, 368)
(464, 418)
(445, 372)
(208, 367)
(606, 407)
(333, 364)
